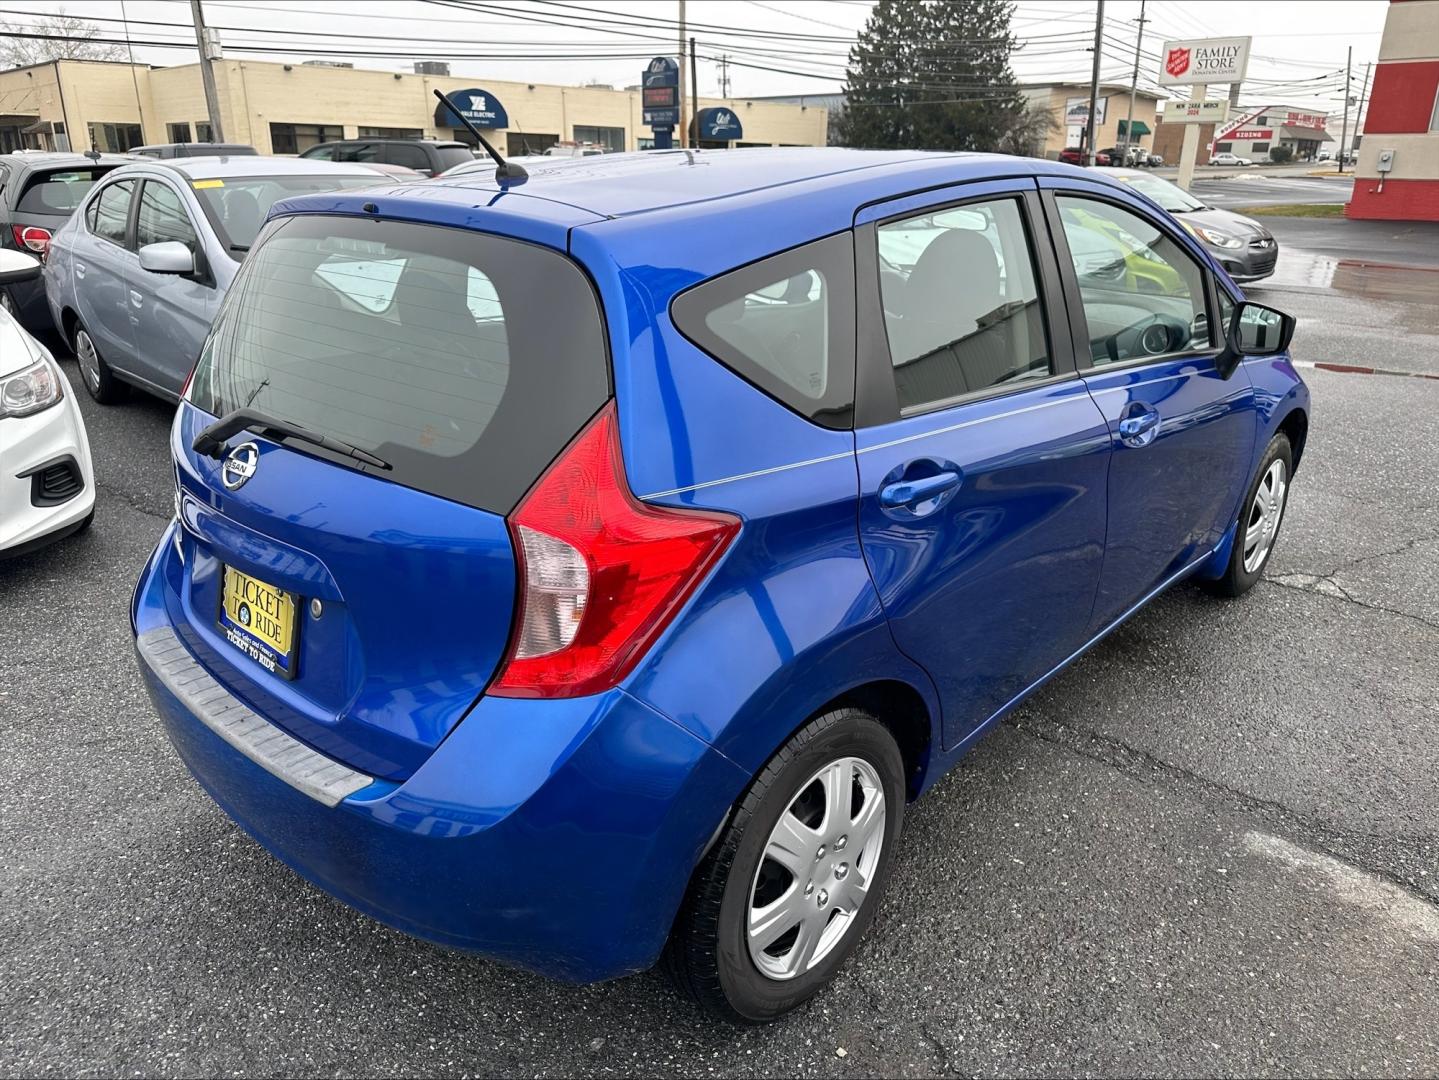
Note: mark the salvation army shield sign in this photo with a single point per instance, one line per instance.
(1177, 62)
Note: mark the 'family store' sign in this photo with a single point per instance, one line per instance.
(1205, 60)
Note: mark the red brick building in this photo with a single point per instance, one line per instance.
(1403, 117)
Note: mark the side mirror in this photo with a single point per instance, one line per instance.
(1254, 330)
(170, 257)
(16, 266)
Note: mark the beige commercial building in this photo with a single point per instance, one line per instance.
(284, 108)
(1067, 104)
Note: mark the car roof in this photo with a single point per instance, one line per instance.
(391, 139)
(59, 159)
(223, 166)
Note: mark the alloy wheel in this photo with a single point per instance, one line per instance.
(1262, 522)
(88, 359)
(817, 868)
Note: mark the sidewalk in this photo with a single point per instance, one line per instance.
(1377, 243)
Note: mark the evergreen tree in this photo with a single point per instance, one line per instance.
(932, 75)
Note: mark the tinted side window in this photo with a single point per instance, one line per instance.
(162, 217)
(1143, 294)
(320, 153)
(786, 324)
(357, 152)
(961, 303)
(412, 157)
(112, 210)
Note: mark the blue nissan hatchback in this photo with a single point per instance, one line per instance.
(590, 569)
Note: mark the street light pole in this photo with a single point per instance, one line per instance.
(1093, 83)
(207, 72)
(1134, 84)
(1344, 130)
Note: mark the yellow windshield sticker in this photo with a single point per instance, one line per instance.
(200, 184)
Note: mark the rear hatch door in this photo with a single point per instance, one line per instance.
(362, 607)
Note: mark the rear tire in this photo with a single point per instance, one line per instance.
(812, 911)
(1260, 515)
(99, 380)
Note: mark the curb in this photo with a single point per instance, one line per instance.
(1359, 369)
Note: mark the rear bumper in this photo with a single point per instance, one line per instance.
(26, 444)
(556, 836)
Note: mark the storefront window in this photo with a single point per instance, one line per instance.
(294, 138)
(115, 138)
(611, 138)
(178, 133)
(390, 133)
(204, 132)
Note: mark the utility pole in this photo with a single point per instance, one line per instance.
(1359, 112)
(1093, 84)
(207, 72)
(1348, 85)
(724, 75)
(694, 92)
(1133, 85)
(684, 127)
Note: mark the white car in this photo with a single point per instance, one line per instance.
(1227, 158)
(47, 482)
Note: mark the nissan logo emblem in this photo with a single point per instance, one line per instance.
(239, 465)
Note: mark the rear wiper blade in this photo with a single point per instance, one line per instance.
(211, 441)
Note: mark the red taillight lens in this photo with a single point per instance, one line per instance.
(31, 238)
(601, 573)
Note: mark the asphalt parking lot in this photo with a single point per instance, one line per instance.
(1210, 847)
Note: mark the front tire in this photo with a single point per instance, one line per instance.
(1260, 515)
(794, 879)
(99, 380)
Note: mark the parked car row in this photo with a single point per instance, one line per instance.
(1126, 156)
(551, 592)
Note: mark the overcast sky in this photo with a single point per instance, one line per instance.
(1299, 47)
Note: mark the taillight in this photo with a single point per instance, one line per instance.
(601, 573)
(31, 238)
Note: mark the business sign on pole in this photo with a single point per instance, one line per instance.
(1196, 112)
(660, 93)
(1204, 60)
(479, 107)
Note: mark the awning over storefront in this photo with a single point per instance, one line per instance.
(480, 107)
(1304, 134)
(1140, 128)
(719, 124)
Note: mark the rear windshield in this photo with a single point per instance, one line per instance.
(237, 205)
(58, 193)
(450, 156)
(465, 361)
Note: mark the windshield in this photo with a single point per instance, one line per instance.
(237, 205)
(450, 156)
(465, 360)
(59, 192)
(1170, 196)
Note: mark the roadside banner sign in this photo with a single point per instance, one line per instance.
(1204, 60)
(1196, 112)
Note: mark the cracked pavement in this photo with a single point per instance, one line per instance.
(1210, 847)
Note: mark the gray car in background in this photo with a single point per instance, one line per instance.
(1244, 247)
(136, 276)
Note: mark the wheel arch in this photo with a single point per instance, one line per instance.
(1295, 425)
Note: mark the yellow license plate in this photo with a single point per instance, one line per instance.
(260, 620)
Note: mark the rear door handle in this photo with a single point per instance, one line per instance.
(79, 269)
(136, 298)
(910, 493)
(1140, 426)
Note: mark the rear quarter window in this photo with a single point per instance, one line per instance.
(464, 360)
(785, 324)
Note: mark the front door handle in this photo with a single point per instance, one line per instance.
(1140, 426)
(136, 298)
(79, 269)
(910, 493)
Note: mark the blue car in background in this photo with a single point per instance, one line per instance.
(134, 278)
(589, 569)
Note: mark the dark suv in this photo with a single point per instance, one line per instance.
(38, 192)
(427, 156)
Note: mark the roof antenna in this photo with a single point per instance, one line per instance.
(507, 170)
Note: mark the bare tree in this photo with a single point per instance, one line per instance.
(69, 38)
(1028, 129)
